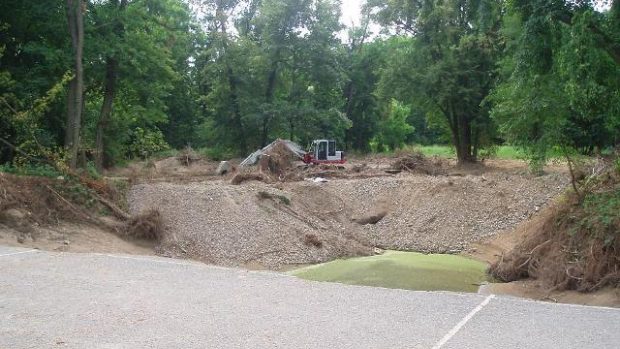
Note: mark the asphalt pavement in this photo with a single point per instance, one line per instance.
(66, 300)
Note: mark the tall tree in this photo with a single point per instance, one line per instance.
(75, 102)
(560, 79)
(450, 66)
(111, 77)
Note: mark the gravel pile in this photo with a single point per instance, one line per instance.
(234, 225)
(227, 224)
(446, 214)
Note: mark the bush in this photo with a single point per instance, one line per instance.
(145, 143)
(37, 170)
(92, 170)
(393, 130)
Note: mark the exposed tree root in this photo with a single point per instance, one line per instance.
(569, 246)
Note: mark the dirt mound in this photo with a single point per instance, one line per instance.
(277, 160)
(234, 225)
(574, 245)
(33, 208)
(267, 224)
(38, 200)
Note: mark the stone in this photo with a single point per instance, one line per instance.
(14, 214)
(223, 168)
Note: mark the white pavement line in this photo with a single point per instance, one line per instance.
(462, 323)
(14, 253)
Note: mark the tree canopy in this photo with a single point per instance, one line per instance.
(84, 81)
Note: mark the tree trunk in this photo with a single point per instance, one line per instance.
(70, 114)
(75, 19)
(234, 100)
(232, 84)
(109, 93)
(271, 86)
(106, 110)
(463, 143)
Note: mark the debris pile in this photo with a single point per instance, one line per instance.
(277, 160)
(418, 163)
(278, 146)
(188, 156)
(145, 226)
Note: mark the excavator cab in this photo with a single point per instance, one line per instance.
(323, 151)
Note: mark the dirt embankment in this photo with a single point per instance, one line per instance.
(62, 214)
(570, 252)
(275, 224)
(575, 245)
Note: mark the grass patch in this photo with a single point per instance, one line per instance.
(508, 152)
(167, 153)
(403, 270)
(444, 151)
(505, 152)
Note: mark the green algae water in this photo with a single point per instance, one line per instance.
(404, 270)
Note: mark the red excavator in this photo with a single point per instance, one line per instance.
(323, 151)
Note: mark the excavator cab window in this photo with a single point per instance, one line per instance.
(322, 153)
(332, 148)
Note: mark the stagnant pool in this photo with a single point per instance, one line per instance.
(404, 270)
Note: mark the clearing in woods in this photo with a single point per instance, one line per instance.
(279, 217)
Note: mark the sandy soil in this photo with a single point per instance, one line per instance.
(608, 297)
(71, 237)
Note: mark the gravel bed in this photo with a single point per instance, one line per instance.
(239, 225)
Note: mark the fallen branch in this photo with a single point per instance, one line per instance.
(73, 207)
(118, 213)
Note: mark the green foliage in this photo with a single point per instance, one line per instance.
(91, 169)
(560, 85)
(280, 77)
(538, 75)
(394, 129)
(509, 152)
(145, 143)
(445, 68)
(602, 215)
(29, 169)
(217, 153)
(76, 192)
(166, 153)
(443, 151)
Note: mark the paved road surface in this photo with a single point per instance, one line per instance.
(63, 300)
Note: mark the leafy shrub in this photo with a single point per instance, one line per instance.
(602, 215)
(38, 170)
(145, 143)
(92, 170)
(393, 130)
